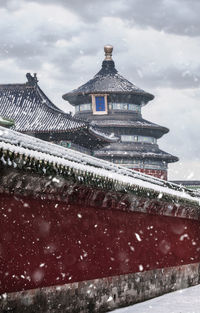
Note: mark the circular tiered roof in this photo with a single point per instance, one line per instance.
(119, 120)
(110, 82)
(136, 151)
(139, 124)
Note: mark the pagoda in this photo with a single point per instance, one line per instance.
(113, 104)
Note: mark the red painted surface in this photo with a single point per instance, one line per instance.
(47, 243)
(156, 173)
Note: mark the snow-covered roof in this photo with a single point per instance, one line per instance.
(15, 147)
(108, 80)
(141, 153)
(33, 112)
(140, 124)
(127, 123)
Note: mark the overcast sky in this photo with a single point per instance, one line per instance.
(156, 46)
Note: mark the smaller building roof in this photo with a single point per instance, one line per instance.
(34, 113)
(187, 182)
(109, 81)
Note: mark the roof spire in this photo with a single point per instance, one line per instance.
(108, 52)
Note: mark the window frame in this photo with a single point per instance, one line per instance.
(95, 112)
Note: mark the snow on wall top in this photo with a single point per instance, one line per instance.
(14, 142)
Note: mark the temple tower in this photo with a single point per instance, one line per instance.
(113, 104)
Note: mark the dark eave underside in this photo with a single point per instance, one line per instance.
(157, 155)
(138, 124)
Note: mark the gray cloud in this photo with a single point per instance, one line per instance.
(172, 16)
(157, 47)
(167, 77)
(64, 44)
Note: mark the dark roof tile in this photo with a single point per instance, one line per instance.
(32, 110)
(108, 80)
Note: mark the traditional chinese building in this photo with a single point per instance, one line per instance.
(33, 113)
(114, 104)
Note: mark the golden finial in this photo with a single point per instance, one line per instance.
(108, 52)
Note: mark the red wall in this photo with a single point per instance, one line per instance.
(45, 243)
(156, 173)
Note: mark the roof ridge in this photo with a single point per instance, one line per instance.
(14, 85)
(46, 100)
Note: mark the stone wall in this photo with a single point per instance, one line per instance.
(101, 295)
(85, 241)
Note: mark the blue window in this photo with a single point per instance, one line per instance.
(100, 104)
